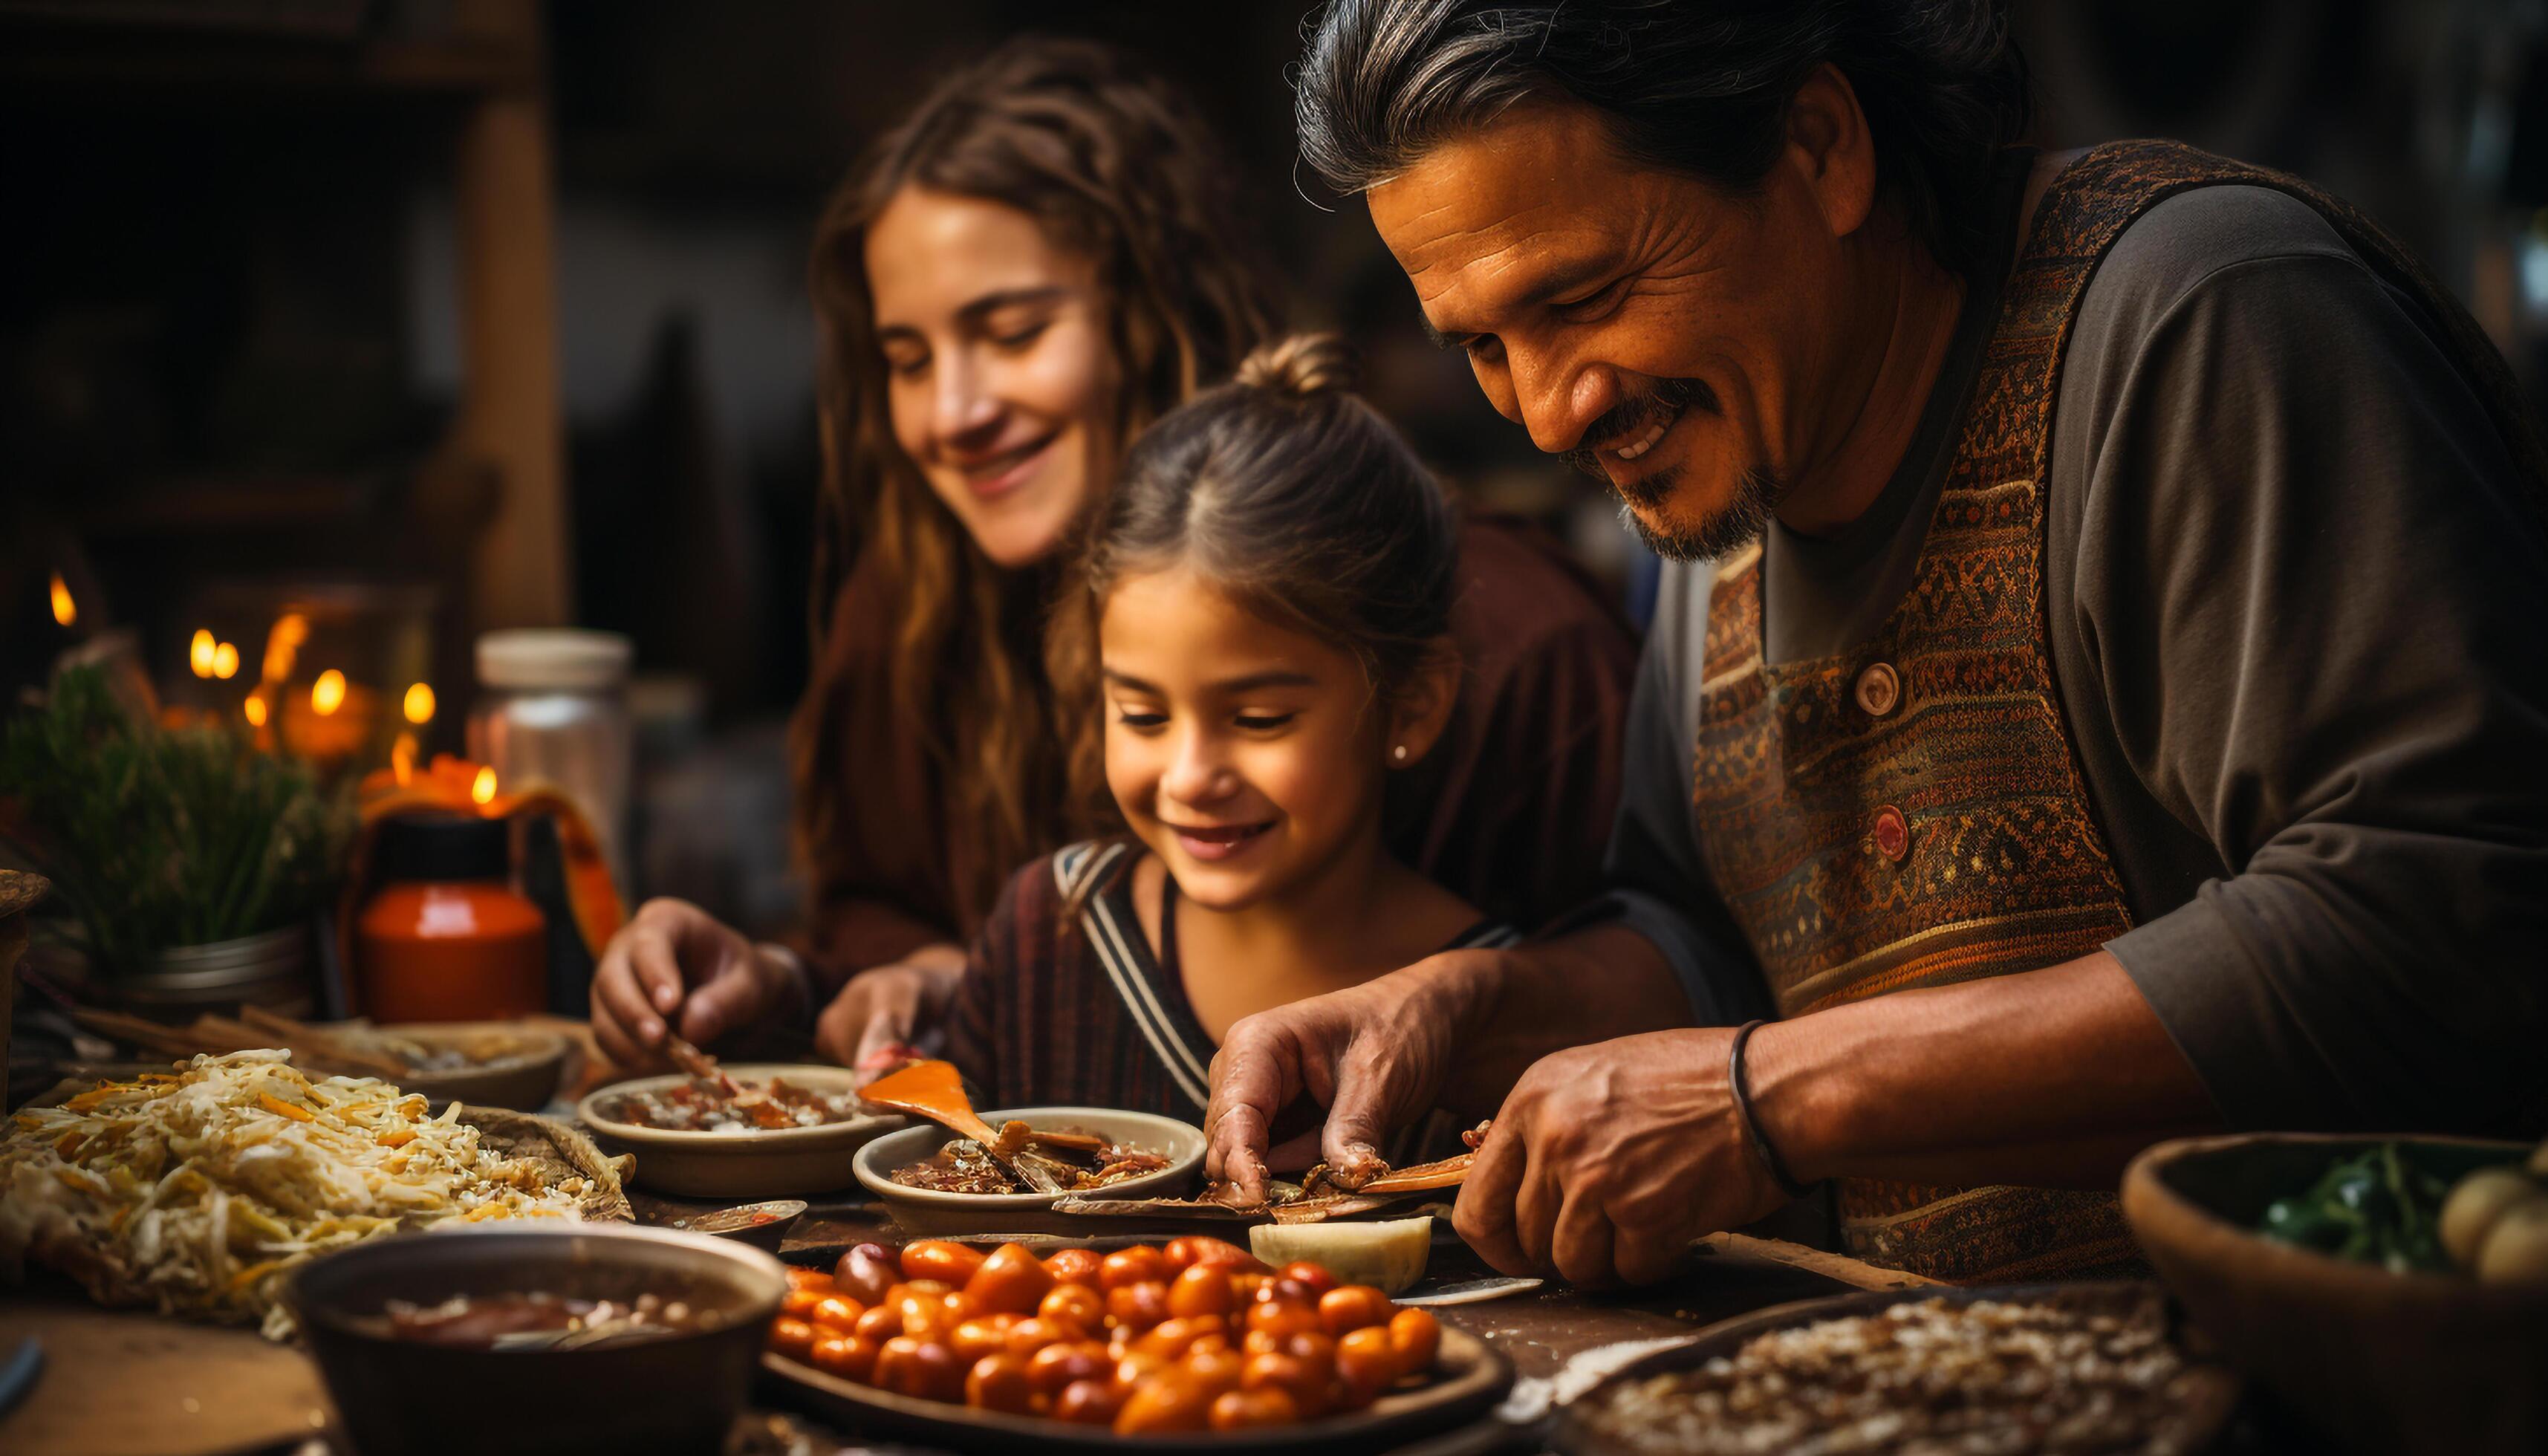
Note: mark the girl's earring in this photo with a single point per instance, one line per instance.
(1399, 752)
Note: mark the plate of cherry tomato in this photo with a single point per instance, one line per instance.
(1191, 1345)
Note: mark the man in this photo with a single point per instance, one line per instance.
(2099, 691)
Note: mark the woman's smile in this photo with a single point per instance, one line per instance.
(1001, 472)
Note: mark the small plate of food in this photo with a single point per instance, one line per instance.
(752, 1131)
(1191, 1347)
(935, 1182)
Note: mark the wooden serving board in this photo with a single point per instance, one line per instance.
(1469, 1380)
(130, 1383)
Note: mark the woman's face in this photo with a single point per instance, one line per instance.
(1248, 757)
(996, 365)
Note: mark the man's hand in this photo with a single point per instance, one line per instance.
(675, 967)
(1377, 1056)
(884, 1006)
(1609, 1159)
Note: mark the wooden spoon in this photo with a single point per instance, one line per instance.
(935, 1091)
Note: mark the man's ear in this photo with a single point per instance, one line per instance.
(1829, 145)
(1421, 706)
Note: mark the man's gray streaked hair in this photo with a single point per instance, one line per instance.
(1695, 86)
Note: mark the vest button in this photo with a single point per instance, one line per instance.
(1893, 834)
(1879, 690)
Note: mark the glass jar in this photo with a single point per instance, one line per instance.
(553, 707)
(443, 935)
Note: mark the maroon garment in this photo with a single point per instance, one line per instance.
(1511, 810)
(1085, 1013)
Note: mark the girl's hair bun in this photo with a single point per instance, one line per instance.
(1302, 366)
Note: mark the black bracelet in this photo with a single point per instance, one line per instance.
(1752, 1125)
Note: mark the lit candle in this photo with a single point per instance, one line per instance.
(328, 693)
(200, 651)
(419, 703)
(66, 611)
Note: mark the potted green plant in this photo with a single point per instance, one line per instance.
(191, 863)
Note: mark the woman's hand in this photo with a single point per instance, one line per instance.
(675, 967)
(888, 1006)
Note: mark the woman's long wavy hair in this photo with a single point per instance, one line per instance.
(1119, 169)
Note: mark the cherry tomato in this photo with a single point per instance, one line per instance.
(799, 1303)
(1167, 1402)
(1283, 1289)
(952, 1264)
(839, 1312)
(1170, 1337)
(1366, 1364)
(1211, 1340)
(1088, 1403)
(998, 1382)
(879, 1324)
(1218, 1253)
(1080, 1303)
(1415, 1337)
(1293, 1377)
(1315, 1276)
(1246, 1286)
(975, 1338)
(1352, 1307)
(848, 1357)
(1216, 1370)
(1135, 1366)
(800, 1277)
(1137, 1306)
(791, 1337)
(1056, 1365)
(1011, 1280)
(925, 1315)
(1281, 1319)
(1202, 1290)
(1030, 1336)
(1075, 1266)
(1140, 1264)
(1253, 1410)
(866, 1272)
(922, 1368)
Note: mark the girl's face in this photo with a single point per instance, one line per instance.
(1245, 755)
(996, 364)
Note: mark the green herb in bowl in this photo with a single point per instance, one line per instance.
(2377, 1207)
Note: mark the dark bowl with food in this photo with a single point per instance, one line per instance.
(2380, 1358)
(930, 1189)
(543, 1341)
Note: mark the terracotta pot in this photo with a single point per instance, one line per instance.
(2382, 1362)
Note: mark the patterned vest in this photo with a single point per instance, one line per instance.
(1910, 812)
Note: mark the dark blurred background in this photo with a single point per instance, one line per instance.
(488, 313)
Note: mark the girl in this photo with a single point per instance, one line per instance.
(1269, 595)
(1038, 262)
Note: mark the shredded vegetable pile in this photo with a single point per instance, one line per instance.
(196, 1191)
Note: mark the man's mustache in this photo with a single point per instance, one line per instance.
(1633, 417)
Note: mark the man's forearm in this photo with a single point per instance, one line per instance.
(2052, 1077)
(1588, 985)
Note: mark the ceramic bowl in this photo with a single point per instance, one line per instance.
(678, 1393)
(927, 1210)
(509, 1066)
(2382, 1362)
(745, 1163)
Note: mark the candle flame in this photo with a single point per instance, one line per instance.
(419, 703)
(484, 790)
(254, 707)
(66, 611)
(282, 644)
(199, 652)
(225, 661)
(328, 693)
(402, 759)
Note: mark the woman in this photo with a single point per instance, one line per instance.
(1041, 260)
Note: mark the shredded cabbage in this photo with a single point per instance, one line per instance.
(197, 1192)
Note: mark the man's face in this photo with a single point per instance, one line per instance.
(1673, 338)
